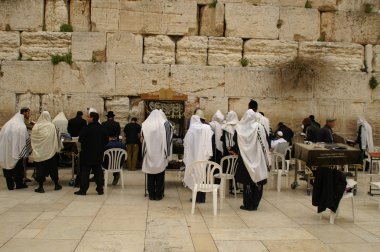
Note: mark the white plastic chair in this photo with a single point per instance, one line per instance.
(116, 158)
(202, 173)
(231, 166)
(279, 154)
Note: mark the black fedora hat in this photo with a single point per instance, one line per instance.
(110, 114)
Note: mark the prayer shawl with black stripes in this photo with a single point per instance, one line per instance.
(229, 127)
(253, 145)
(14, 142)
(157, 142)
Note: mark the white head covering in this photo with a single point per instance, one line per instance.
(216, 125)
(253, 145)
(200, 113)
(44, 138)
(14, 142)
(230, 127)
(366, 135)
(158, 134)
(60, 122)
(198, 146)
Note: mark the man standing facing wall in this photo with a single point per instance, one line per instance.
(132, 139)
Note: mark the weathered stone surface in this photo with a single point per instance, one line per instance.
(192, 51)
(120, 106)
(30, 100)
(299, 24)
(351, 112)
(376, 58)
(141, 22)
(84, 44)
(252, 82)
(376, 91)
(134, 79)
(324, 5)
(21, 15)
(212, 21)
(341, 56)
(327, 108)
(180, 18)
(56, 14)
(137, 109)
(205, 81)
(224, 51)
(357, 5)
(372, 114)
(104, 19)
(368, 56)
(355, 27)
(85, 77)
(269, 53)
(159, 50)
(106, 4)
(124, 47)
(211, 105)
(41, 45)
(7, 106)
(23, 76)
(249, 21)
(343, 85)
(9, 45)
(80, 15)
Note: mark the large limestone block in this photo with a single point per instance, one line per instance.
(21, 15)
(269, 53)
(205, 81)
(343, 85)
(152, 6)
(376, 58)
(9, 45)
(180, 17)
(224, 51)
(249, 21)
(252, 82)
(356, 27)
(299, 24)
(31, 101)
(192, 50)
(80, 17)
(124, 47)
(211, 105)
(7, 106)
(106, 4)
(141, 22)
(41, 45)
(327, 108)
(376, 91)
(341, 56)
(86, 44)
(351, 112)
(368, 57)
(104, 19)
(357, 5)
(23, 76)
(372, 114)
(56, 14)
(159, 50)
(134, 79)
(212, 21)
(85, 77)
(120, 106)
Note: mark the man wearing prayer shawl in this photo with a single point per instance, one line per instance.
(253, 162)
(61, 122)
(217, 144)
(157, 135)
(364, 139)
(197, 147)
(45, 145)
(228, 132)
(15, 145)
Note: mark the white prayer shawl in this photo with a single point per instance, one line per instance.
(14, 142)
(44, 138)
(61, 122)
(158, 136)
(216, 125)
(275, 142)
(265, 122)
(197, 146)
(230, 127)
(366, 135)
(253, 146)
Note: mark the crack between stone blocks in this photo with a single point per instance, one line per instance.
(203, 89)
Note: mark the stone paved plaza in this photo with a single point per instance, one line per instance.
(123, 220)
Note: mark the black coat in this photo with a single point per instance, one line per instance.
(75, 126)
(288, 134)
(328, 189)
(112, 127)
(93, 138)
(325, 134)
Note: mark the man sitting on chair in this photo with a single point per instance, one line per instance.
(114, 142)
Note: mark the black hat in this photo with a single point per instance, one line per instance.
(110, 114)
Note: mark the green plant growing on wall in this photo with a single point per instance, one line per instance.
(213, 4)
(373, 83)
(55, 59)
(66, 28)
(368, 8)
(244, 62)
(302, 69)
(280, 22)
(308, 5)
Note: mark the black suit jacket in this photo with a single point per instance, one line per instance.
(112, 127)
(75, 126)
(93, 138)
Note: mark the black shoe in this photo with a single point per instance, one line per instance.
(40, 190)
(152, 198)
(158, 198)
(57, 187)
(22, 186)
(100, 192)
(92, 179)
(247, 208)
(115, 181)
(79, 193)
(26, 180)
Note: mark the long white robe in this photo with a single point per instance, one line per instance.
(14, 142)
(230, 128)
(366, 135)
(158, 136)
(216, 125)
(253, 145)
(197, 146)
(61, 122)
(45, 143)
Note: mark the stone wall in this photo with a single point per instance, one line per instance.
(123, 48)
